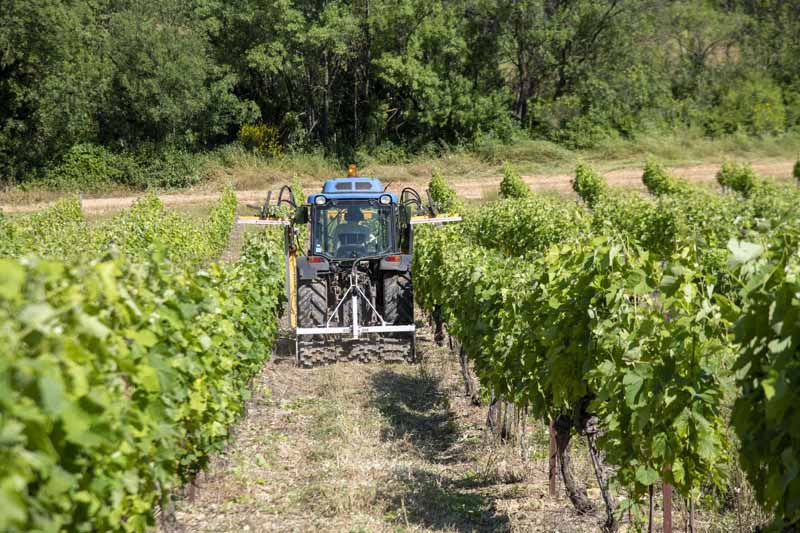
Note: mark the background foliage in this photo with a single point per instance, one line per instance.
(118, 91)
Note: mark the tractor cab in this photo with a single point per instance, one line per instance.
(353, 218)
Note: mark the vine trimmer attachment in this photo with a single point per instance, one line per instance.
(350, 296)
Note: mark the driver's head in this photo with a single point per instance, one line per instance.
(353, 214)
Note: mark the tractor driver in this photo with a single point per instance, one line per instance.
(352, 233)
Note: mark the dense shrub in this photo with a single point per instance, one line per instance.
(122, 374)
(442, 194)
(148, 222)
(166, 168)
(387, 153)
(512, 185)
(86, 167)
(657, 180)
(54, 232)
(737, 177)
(92, 168)
(261, 138)
(765, 413)
(797, 170)
(592, 323)
(120, 379)
(567, 121)
(588, 184)
(520, 226)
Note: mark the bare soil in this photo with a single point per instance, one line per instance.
(354, 447)
(476, 188)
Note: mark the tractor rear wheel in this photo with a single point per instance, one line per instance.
(398, 309)
(398, 299)
(312, 306)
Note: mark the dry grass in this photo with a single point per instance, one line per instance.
(249, 172)
(355, 447)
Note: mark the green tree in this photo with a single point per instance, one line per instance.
(165, 85)
(52, 83)
(754, 105)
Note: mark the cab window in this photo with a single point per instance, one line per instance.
(351, 229)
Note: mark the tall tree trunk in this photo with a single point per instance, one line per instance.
(368, 60)
(325, 99)
(356, 133)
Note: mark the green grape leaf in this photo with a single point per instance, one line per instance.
(93, 326)
(35, 315)
(148, 378)
(678, 472)
(145, 338)
(633, 384)
(743, 252)
(646, 475)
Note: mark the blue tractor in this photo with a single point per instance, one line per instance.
(350, 296)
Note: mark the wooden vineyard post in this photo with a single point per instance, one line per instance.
(553, 463)
(667, 501)
(667, 508)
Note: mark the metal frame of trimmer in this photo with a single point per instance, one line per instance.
(356, 329)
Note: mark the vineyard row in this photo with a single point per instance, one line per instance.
(650, 324)
(125, 356)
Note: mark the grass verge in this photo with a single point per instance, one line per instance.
(249, 171)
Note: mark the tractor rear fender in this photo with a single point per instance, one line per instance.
(397, 262)
(308, 270)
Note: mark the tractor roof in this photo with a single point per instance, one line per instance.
(352, 188)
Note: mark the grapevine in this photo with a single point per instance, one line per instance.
(122, 374)
(626, 314)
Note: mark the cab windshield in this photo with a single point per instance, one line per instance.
(352, 228)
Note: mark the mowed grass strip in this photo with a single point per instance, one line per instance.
(354, 447)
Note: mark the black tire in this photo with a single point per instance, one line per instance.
(398, 298)
(312, 304)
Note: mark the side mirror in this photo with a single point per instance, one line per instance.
(301, 215)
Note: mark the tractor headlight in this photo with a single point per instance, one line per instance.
(320, 200)
(386, 199)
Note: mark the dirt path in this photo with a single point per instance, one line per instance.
(355, 447)
(474, 188)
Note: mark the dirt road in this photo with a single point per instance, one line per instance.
(355, 447)
(475, 189)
